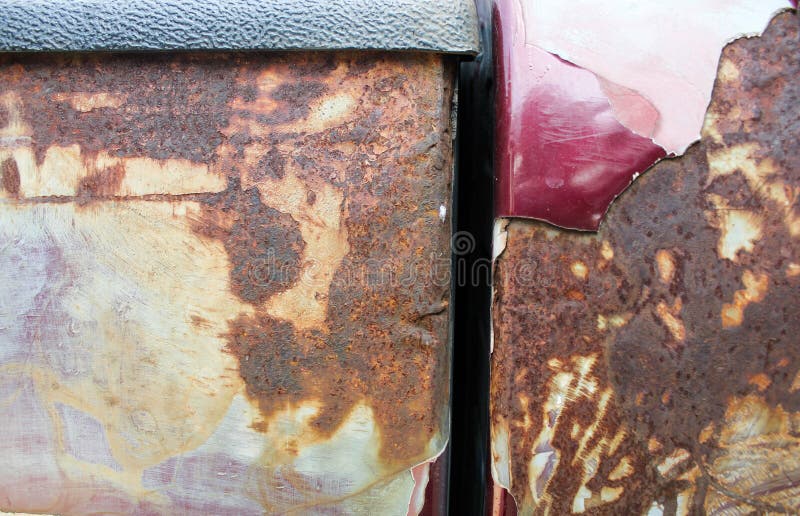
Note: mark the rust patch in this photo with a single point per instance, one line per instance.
(698, 370)
(264, 245)
(104, 183)
(9, 172)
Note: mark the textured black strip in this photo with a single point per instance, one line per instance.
(470, 486)
(447, 26)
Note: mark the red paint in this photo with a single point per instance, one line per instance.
(561, 155)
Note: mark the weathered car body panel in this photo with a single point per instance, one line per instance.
(654, 366)
(225, 280)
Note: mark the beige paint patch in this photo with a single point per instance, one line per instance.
(613, 320)
(666, 266)
(673, 460)
(670, 316)
(611, 494)
(738, 158)
(751, 417)
(330, 111)
(739, 229)
(622, 470)
(606, 250)
(728, 71)
(145, 176)
(743, 158)
(501, 467)
(64, 168)
(358, 437)
(16, 127)
(85, 102)
(579, 270)
(710, 126)
(755, 290)
(59, 174)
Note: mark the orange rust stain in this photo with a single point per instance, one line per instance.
(761, 381)
(576, 295)
(9, 174)
(755, 290)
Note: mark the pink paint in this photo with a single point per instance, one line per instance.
(421, 475)
(665, 52)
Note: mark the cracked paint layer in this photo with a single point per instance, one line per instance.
(222, 281)
(654, 367)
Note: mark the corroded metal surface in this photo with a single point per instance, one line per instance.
(655, 366)
(218, 294)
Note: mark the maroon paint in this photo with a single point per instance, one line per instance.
(560, 154)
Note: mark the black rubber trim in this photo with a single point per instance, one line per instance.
(470, 485)
(443, 26)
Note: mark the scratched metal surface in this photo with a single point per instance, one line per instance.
(654, 367)
(224, 281)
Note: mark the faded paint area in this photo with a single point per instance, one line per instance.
(222, 281)
(661, 375)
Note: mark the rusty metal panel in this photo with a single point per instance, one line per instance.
(224, 281)
(654, 367)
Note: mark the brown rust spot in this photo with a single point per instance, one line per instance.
(695, 258)
(263, 244)
(103, 183)
(9, 173)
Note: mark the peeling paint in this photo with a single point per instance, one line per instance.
(665, 53)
